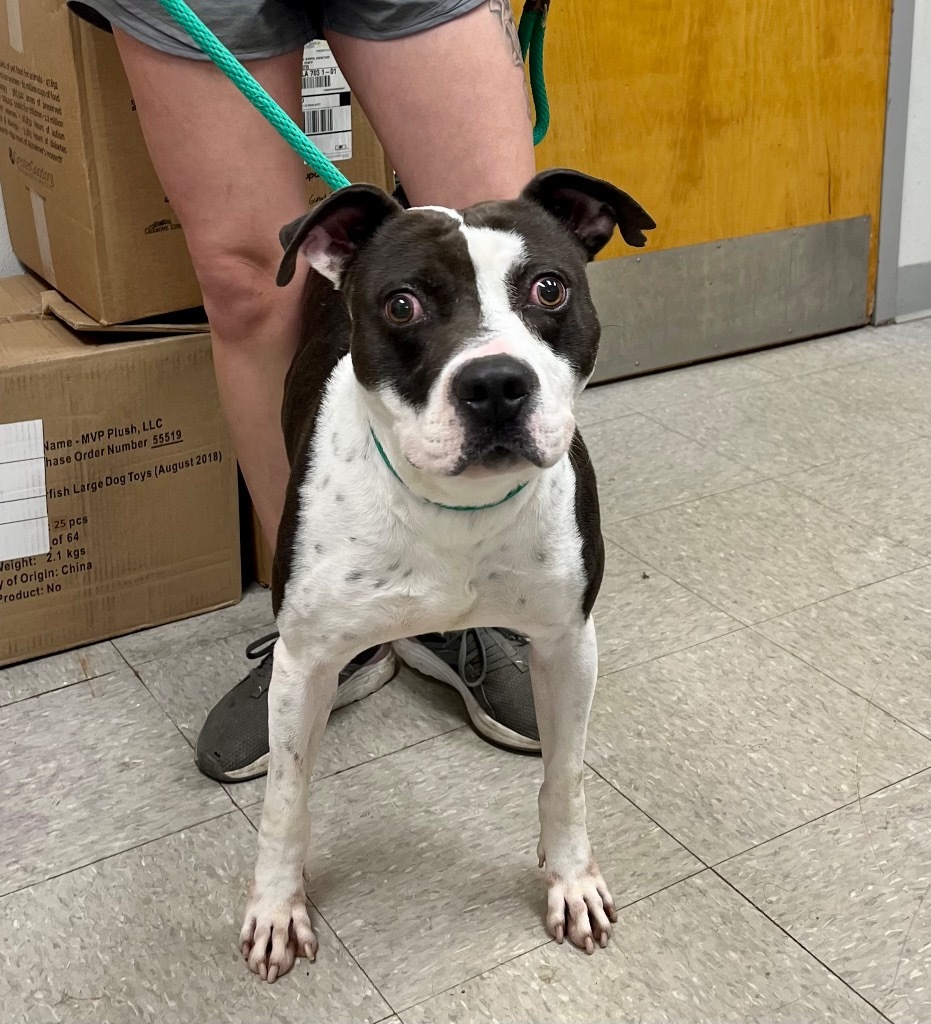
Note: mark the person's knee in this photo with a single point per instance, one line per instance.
(240, 294)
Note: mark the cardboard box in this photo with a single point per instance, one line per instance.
(118, 495)
(84, 206)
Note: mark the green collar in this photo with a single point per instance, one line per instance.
(449, 508)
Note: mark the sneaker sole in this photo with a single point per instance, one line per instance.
(368, 680)
(422, 660)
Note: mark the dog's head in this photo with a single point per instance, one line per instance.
(473, 332)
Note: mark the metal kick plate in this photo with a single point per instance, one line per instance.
(680, 306)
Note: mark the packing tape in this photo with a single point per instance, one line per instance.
(41, 226)
(15, 25)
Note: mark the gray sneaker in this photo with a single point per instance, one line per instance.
(491, 670)
(233, 743)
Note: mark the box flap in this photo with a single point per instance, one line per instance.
(42, 340)
(189, 321)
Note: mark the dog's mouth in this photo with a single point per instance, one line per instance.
(492, 455)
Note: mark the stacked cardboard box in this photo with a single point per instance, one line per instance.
(118, 498)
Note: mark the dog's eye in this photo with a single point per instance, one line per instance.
(549, 292)
(403, 308)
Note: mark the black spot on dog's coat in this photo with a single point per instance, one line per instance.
(588, 522)
(429, 254)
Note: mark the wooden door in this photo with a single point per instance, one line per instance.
(726, 119)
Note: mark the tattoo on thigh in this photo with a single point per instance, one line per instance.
(501, 9)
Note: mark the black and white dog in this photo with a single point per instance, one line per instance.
(438, 482)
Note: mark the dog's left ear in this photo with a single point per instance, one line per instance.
(589, 208)
(334, 231)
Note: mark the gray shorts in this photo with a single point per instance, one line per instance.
(253, 29)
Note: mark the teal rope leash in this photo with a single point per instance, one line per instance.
(531, 32)
(439, 504)
(255, 94)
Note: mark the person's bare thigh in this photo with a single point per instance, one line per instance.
(232, 179)
(448, 104)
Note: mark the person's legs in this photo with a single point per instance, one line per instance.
(233, 182)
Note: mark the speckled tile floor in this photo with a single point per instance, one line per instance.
(759, 759)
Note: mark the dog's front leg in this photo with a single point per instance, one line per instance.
(563, 671)
(277, 928)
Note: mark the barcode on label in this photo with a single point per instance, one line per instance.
(317, 82)
(327, 119)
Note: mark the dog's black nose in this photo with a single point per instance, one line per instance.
(494, 389)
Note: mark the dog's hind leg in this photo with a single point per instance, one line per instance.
(277, 928)
(563, 670)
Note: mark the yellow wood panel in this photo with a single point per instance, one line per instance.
(722, 117)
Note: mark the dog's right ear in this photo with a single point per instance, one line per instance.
(334, 231)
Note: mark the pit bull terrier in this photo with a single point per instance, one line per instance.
(438, 482)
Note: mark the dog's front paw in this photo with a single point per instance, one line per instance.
(275, 932)
(579, 906)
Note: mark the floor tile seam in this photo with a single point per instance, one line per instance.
(822, 671)
(188, 648)
(58, 688)
(763, 474)
(803, 947)
(381, 995)
(550, 941)
(257, 804)
(711, 863)
(740, 627)
(846, 806)
(689, 501)
(833, 597)
(118, 853)
(642, 410)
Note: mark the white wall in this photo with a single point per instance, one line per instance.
(915, 238)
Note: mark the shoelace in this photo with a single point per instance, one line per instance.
(464, 658)
(476, 635)
(258, 650)
(261, 648)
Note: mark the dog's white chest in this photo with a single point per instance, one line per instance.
(372, 563)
